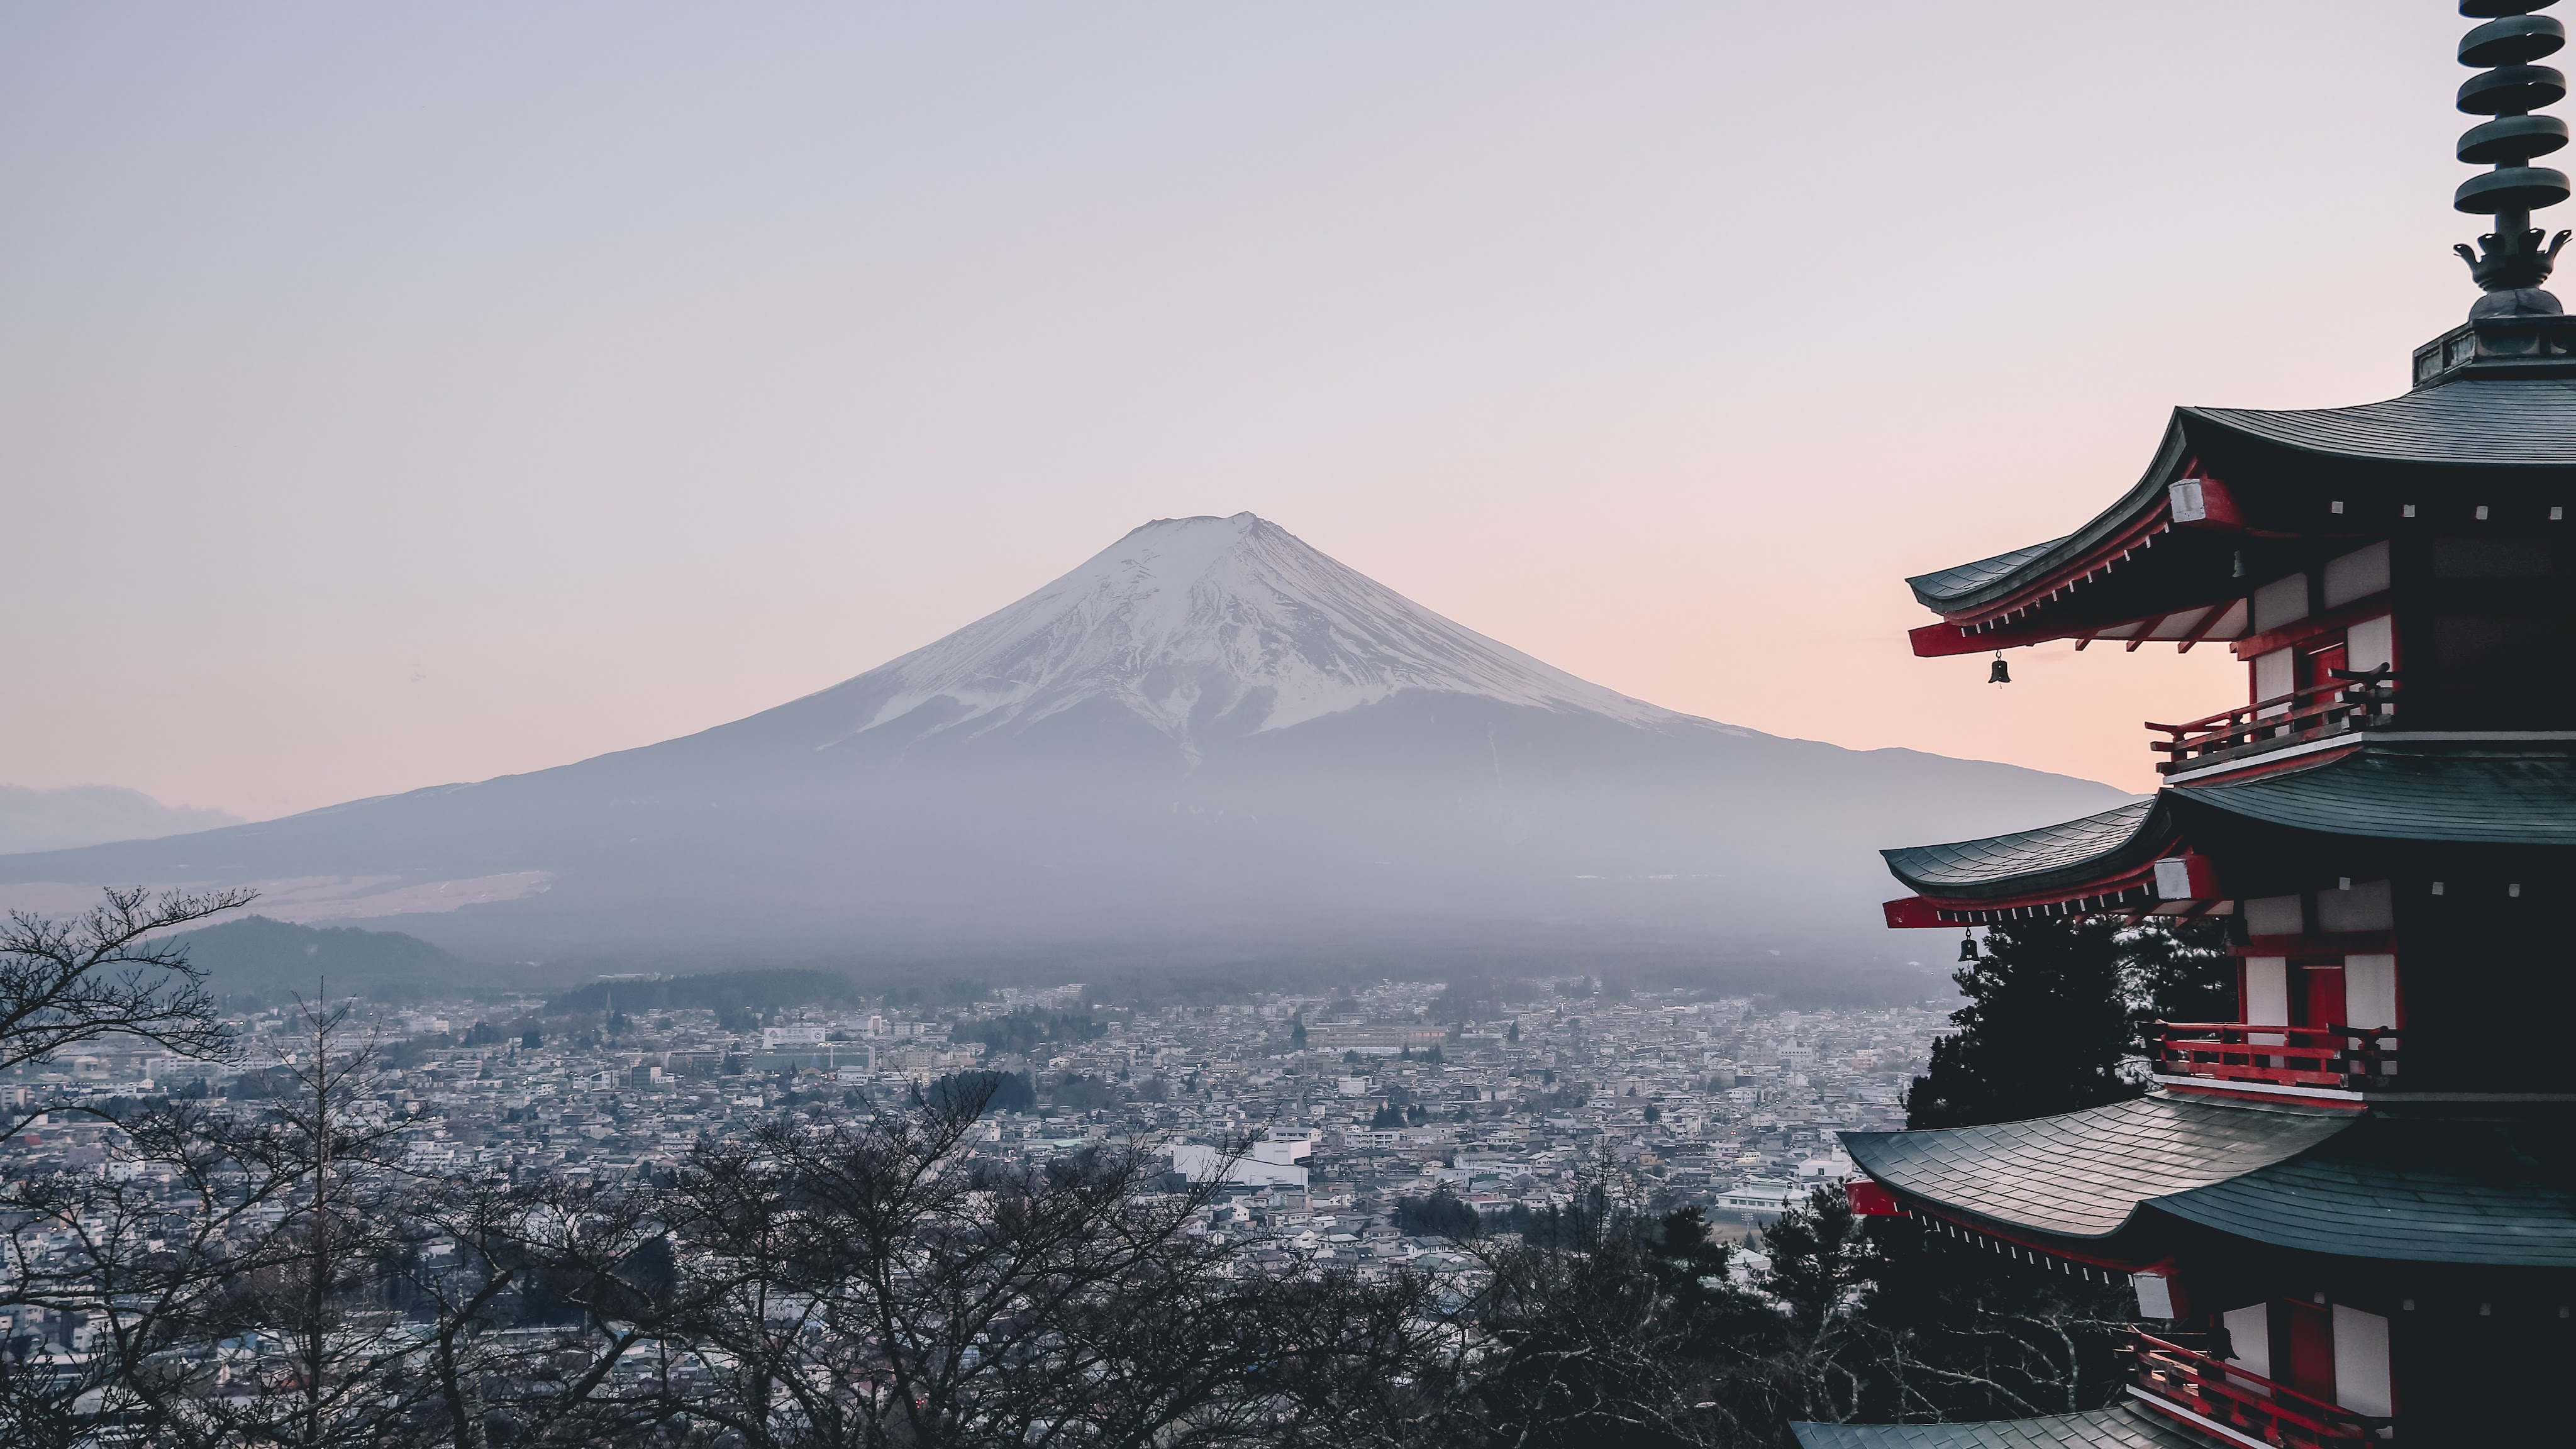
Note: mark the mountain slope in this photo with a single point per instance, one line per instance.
(1206, 734)
(1196, 620)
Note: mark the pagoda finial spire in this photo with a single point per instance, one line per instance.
(2511, 263)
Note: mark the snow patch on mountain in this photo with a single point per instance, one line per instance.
(1192, 620)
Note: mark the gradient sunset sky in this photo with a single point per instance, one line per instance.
(401, 394)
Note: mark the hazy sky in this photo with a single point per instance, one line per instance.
(392, 395)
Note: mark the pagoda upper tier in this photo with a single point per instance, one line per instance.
(2237, 495)
(2473, 817)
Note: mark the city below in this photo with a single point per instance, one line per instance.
(1395, 1106)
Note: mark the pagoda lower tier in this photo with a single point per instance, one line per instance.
(2398, 913)
(2307, 1275)
(2130, 1426)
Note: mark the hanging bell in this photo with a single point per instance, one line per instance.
(1999, 672)
(1968, 947)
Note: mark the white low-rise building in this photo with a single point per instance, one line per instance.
(1199, 1164)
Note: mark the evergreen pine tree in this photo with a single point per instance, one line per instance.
(2046, 1029)
(2180, 973)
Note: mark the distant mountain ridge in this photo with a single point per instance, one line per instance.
(1208, 738)
(76, 815)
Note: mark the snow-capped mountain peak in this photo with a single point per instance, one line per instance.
(1189, 619)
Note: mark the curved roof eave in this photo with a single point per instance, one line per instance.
(2446, 797)
(2075, 851)
(2085, 1175)
(2417, 1190)
(1965, 586)
(2385, 793)
(2522, 425)
(2122, 1426)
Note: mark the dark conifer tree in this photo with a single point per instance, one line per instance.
(2181, 973)
(2046, 1029)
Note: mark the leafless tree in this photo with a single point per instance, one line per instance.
(839, 1280)
(66, 983)
(210, 1257)
(1352, 1362)
(267, 1271)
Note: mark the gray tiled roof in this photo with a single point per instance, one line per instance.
(2423, 1191)
(2120, 1428)
(2379, 792)
(2523, 423)
(1960, 580)
(2085, 1174)
(2395, 794)
(2417, 1189)
(2032, 859)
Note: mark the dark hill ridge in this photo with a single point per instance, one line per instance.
(1208, 735)
(274, 960)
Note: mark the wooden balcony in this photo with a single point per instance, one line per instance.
(2342, 1058)
(2214, 1392)
(2341, 705)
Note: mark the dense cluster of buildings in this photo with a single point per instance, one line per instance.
(1354, 1105)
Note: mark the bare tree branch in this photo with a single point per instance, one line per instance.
(66, 983)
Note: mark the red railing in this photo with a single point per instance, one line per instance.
(2348, 1058)
(2252, 1405)
(2347, 701)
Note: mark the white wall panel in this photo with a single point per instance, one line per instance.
(2361, 1362)
(2356, 575)
(2251, 1329)
(2282, 601)
(2370, 990)
(2267, 990)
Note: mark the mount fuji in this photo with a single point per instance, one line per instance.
(1208, 741)
(1227, 624)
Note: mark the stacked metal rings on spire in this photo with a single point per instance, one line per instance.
(2509, 87)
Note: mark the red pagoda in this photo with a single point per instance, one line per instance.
(2350, 1213)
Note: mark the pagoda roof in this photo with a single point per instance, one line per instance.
(2075, 852)
(2155, 566)
(2393, 793)
(2085, 1174)
(2114, 1428)
(2423, 1189)
(2387, 792)
(2521, 423)
(1962, 583)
